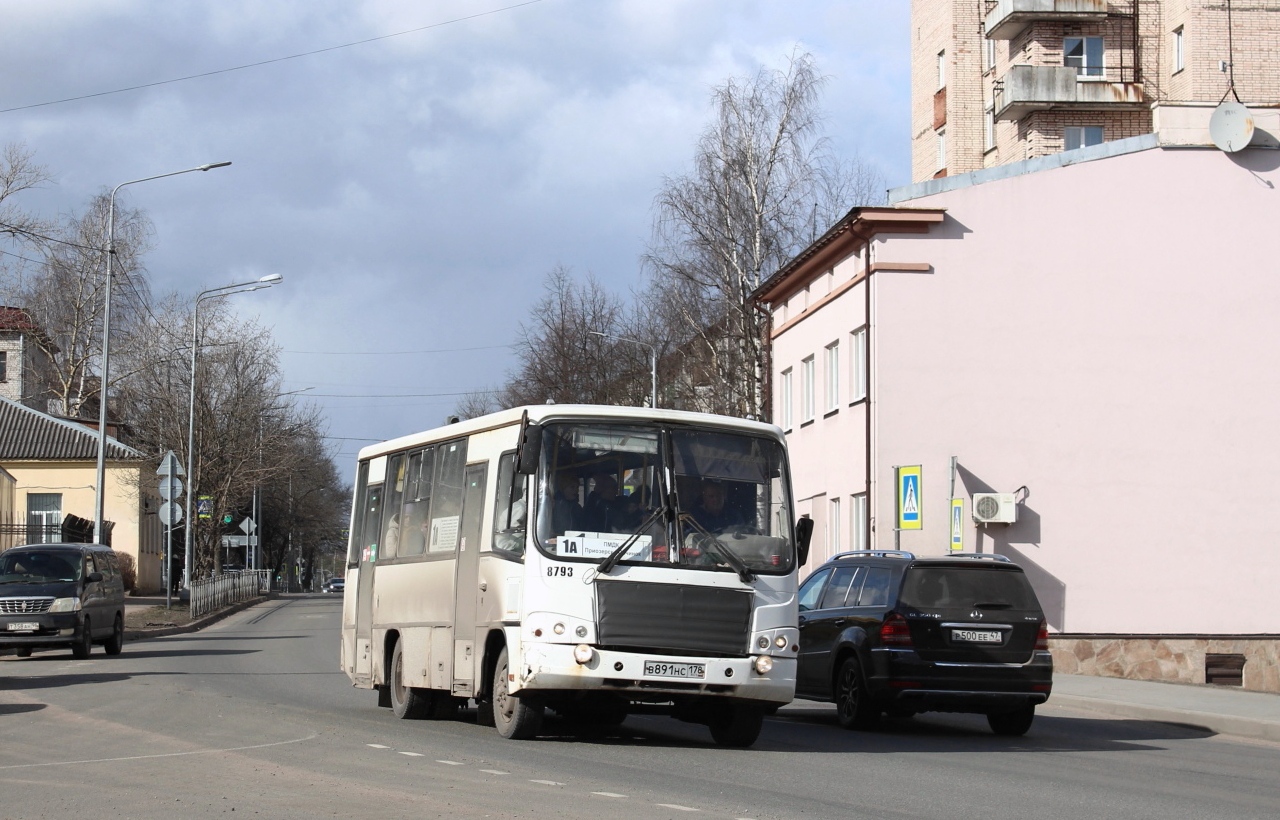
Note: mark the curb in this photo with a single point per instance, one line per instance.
(1206, 721)
(143, 634)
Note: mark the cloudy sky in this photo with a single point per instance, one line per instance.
(413, 189)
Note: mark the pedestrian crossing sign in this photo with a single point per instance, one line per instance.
(909, 503)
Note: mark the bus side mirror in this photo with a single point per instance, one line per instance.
(804, 532)
(530, 447)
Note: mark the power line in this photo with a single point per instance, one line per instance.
(394, 395)
(268, 62)
(395, 352)
(25, 232)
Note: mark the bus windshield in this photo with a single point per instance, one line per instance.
(674, 496)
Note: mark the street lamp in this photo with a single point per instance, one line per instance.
(99, 500)
(653, 360)
(211, 293)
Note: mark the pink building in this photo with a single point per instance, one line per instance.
(1089, 331)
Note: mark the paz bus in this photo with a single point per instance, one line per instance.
(584, 560)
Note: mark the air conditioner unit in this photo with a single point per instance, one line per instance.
(994, 508)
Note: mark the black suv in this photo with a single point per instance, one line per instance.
(885, 631)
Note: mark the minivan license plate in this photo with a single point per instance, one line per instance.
(663, 669)
(24, 627)
(975, 635)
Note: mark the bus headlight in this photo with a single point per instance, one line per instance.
(558, 629)
(780, 641)
(583, 654)
(764, 664)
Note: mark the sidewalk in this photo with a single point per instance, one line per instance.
(1224, 710)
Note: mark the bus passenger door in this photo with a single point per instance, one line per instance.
(364, 592)
(466, 583)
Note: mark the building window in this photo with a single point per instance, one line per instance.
(4, 367)
(44, 518)
(989, 128)
(833, 526)
(1074, 136)
(942, 148)
(1179, 56)
(858, 522)
(784, 400)
(1084, 54)
(858, 365)
(833, 376)
(806, 390)
(988, 56)
(942, 69)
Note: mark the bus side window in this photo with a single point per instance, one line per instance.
(394, 492)
(510, 513)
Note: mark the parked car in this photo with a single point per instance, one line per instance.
(334, 585)
(885, 631)
(61, 595)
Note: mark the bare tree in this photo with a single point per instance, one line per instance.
(478, 403)
(763, 185)
(19, 172)
(561, 358)
(66, 297)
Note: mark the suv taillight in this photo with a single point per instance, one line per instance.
(895, 631)
(1042, 637)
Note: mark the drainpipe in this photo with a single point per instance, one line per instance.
(870, 460)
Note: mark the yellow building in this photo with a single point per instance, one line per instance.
(53, 465)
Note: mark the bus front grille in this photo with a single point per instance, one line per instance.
(679, 619)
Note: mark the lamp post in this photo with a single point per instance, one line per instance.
(99, 494)
(211, 293)
(653, 361)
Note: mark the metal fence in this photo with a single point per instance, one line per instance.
(224, 590)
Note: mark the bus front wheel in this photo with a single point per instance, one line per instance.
(407, 702)
(514, 717)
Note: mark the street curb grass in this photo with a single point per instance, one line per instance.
(1254, 728)
(133, 635)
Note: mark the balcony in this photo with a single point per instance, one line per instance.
(1028, 88)
(1006, 19)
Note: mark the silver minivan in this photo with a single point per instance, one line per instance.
(61, 595)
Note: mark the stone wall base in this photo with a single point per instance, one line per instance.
(1171, 658)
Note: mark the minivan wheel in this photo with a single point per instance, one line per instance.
(854, 709)
(1014, 723)
(116, 642)
(407, 702)
(23, 652)
(81, 648)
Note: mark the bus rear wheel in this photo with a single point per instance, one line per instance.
(514, 717)
(737, 726)
(407, 702)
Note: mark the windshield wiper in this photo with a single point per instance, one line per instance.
(612, 559)
(733, 559)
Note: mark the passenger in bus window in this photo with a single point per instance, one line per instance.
(414, 531)
(605, 510)
(566, 513)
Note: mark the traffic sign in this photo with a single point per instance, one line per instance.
(169, 465)
(204, 507)
(170, 513)
(909, 503)
(247, 526)
(957, 524)
(170, 487)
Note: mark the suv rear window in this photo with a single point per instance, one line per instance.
(954, 587)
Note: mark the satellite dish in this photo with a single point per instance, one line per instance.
(1231, 127)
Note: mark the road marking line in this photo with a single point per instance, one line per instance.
(494, 771)
(676, 806)
(451, 763)
(411, 754)
(151, 757)
(547, 782)
(377, 746)
(609, 794)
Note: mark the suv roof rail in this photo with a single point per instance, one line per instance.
(903, 554)
(981, 556)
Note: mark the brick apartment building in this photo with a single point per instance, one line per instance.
(1000, 81)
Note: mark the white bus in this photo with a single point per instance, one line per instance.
(588, 560)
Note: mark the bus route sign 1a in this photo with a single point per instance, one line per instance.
(909, 507)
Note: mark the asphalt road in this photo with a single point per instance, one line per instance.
(252, 717)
